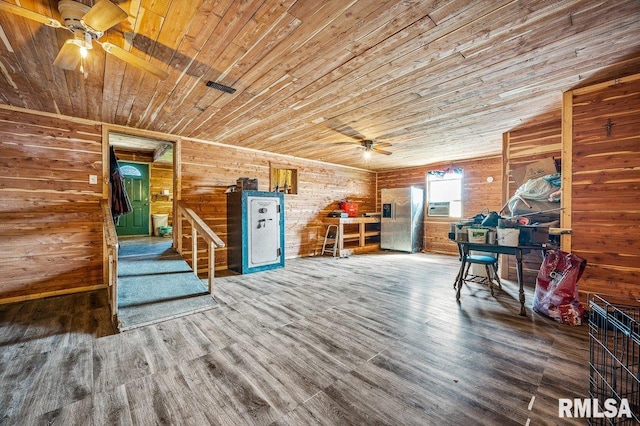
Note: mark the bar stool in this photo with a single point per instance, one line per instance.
(330, 244)
(486, 260)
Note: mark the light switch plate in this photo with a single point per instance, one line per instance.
(93, 179)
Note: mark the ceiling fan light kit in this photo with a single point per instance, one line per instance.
(67, 58)
(87, 24)
(369, 146)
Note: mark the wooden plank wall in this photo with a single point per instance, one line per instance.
(50, 216)
(522, 146)
(161, 178)
(605, 191)
(208, 169)
(477, 193)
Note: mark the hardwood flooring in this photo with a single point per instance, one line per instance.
(367, 340)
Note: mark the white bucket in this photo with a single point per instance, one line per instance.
(508, 236)
(158, 221)
(478, 235)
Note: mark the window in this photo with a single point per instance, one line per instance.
(444, 192)
(128, 170)
(284, 180)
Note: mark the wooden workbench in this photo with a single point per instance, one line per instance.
(356, 234)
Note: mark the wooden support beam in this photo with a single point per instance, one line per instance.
(161, 150)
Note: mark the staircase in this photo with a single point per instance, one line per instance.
(156, 284)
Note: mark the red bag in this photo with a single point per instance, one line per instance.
(556, 294)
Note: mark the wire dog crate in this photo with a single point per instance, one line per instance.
(614, 362)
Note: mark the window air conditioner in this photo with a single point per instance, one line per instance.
(439, 209)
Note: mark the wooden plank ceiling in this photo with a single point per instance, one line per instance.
(438, 80)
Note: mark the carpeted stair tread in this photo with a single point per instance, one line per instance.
(139, 267)
(154, 284)
(145, 250)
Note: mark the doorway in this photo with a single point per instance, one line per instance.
(147, 259)
(149, 173)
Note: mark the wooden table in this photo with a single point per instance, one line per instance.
(465, 247)
(360, 236)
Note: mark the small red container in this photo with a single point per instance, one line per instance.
(350, 208)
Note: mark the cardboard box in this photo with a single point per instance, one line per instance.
(462, 233)
(534, 170)
(531, 235)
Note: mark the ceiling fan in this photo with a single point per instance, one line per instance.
(87, 25)
(369, 146)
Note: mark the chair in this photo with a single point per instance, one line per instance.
(486, 259)
(330, 243)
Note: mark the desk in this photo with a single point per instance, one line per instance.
(465, 247)
(362, 234)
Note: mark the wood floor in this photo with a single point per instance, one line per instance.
(366, 340)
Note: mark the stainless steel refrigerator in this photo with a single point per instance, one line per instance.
(402, 225)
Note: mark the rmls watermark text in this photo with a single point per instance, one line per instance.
(592, 408)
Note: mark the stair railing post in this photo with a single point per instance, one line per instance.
(179, 229)
(194, 248)
(211, 250)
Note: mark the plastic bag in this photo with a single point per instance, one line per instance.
(556, 294)
(536, 189)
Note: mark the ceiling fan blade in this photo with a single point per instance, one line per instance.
(68, 57)
(345, 129)
(104, 15)
(134, 60)
(380, 151)
(29, 14)
(347, 143)
(383, 144)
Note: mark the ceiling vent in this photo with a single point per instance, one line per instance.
(221, 87)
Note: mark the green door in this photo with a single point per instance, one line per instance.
(136, 179)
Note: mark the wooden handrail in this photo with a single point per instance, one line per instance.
(197, 226)
(110, 257)
(202, 227)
